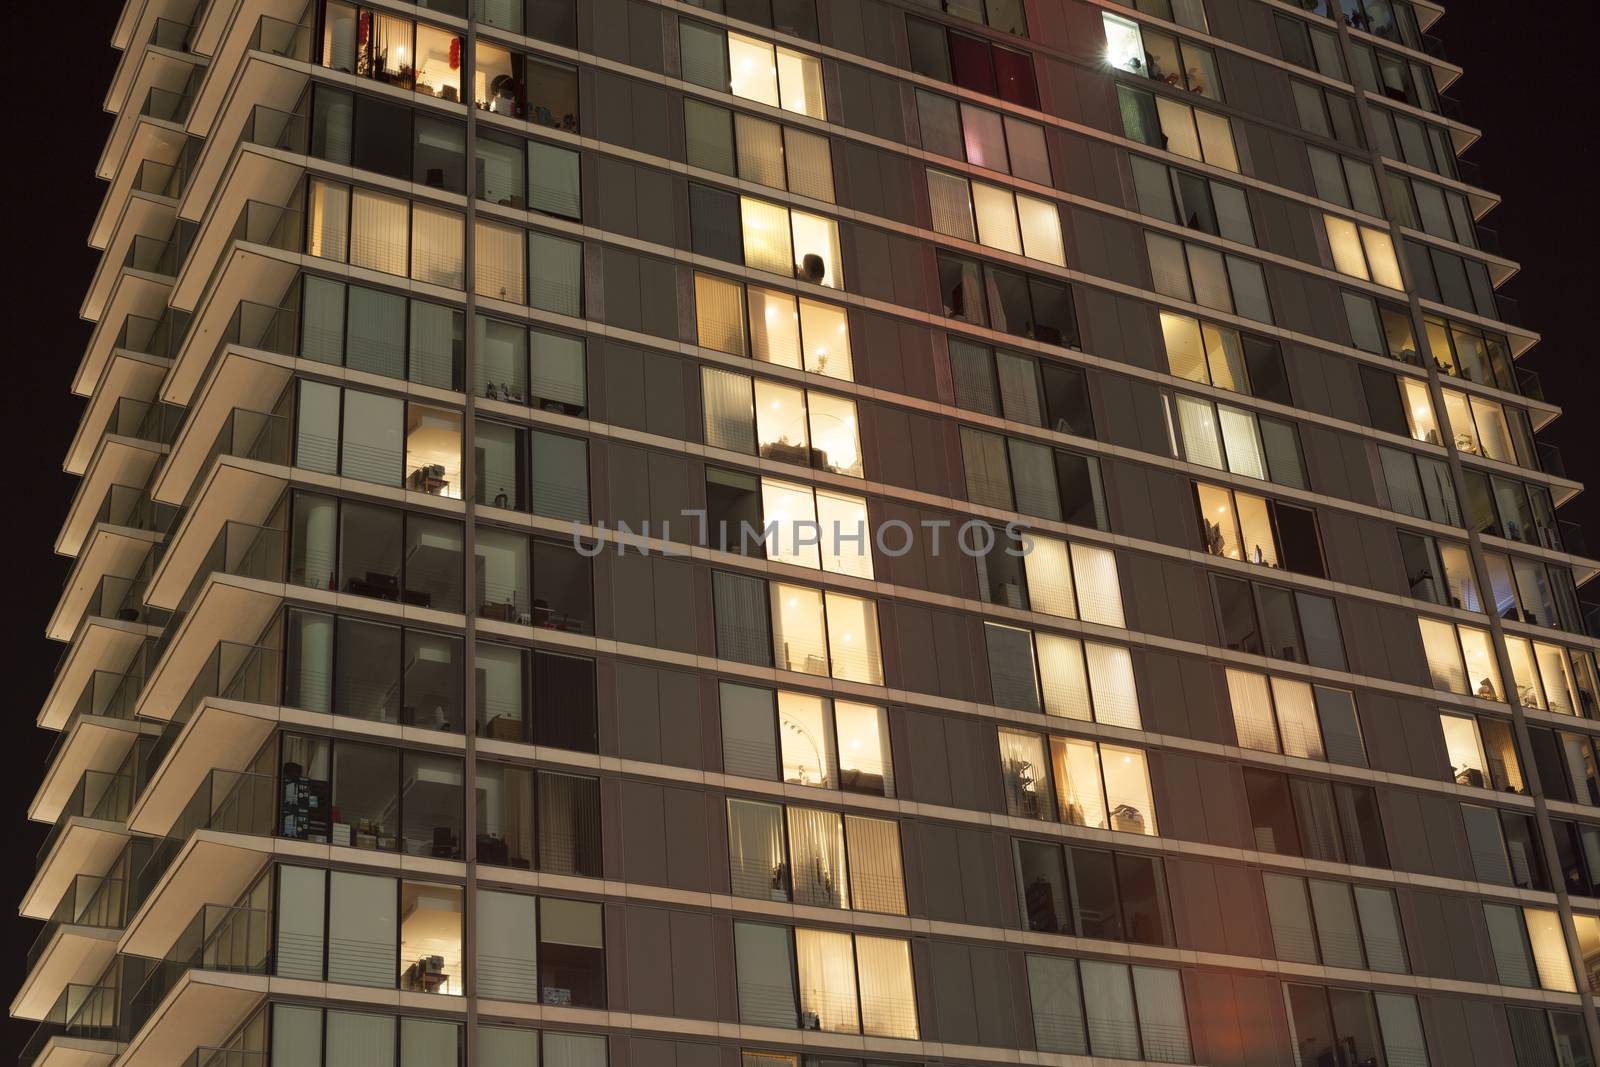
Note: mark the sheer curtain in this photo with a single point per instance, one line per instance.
(1252, 710)
(877, 881)
(1063, 677)
(378, 232)
(827, 968)
(1116, 695)
(719, 314)
(1099, 589)
(730, 410)
(755, 850)
(816, 847)
(888, 1001)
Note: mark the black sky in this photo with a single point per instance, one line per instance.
(1533, 103)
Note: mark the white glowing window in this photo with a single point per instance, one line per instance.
(1124, 44)
(825, 337)
(835, 442)
(774, 327)
(790, 517)
(752, 69)
(853, 639)
(781, 423)
(799, 641)
(846, 541)
(816, 250)
(768, 244)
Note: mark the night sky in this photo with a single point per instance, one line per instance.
(1536, 152)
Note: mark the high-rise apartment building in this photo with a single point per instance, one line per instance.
(809, 533)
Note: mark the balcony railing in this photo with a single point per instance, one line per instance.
(1591, 617)
(157, 179)
(1571, 539)
(170, 34)
(153, 337)
(231, 940)
(233, 671)
(225, 1057)
(166, 105)
(247, 434)
(152, 255)
(86, 1012)
(106, 695)
(1550, 459)
(271, 128)
(1509, 310)
(92, 900)
(1529, 384)
(146, 420)
(279, 37)
(235, 802)
(123, 599)
(126, 505)
(103, 795)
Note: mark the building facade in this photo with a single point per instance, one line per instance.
(856, 532)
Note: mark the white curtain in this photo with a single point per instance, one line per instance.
(1116, 695)
(816, 848)
(877, 881)
(378, 232)
(826, 965)
(1099, 589)
(888, 999)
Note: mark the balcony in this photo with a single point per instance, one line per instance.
(133, 244)
(161, 84)
(109, 555)
(87, 836)
(234, 592)
(216, 427)
(127, 376)
(150, 24)
(247, 208)
(219, 842)
(262, 78)
(97, 737)
(220, 724)
(204, 986)
(76, 944)
(249, 324)
(79, 1030)
(261, 33)
(134, 297)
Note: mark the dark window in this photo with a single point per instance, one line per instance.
(367, 671)
(1361, 825)
(371, 540)
(563, 589)
(1319, 623)
(432, 574)
(1385, 410)
(1264, 363)
(1271, 812)
(1000, 572)
(714, 222)
(1044, 887)
(1078, 486)
(555, 21)
(1144, 900)
(1522, 849)
(742, 618)
(1094, 891)
(1236, 614)
(569, 824)
(733, 502)
(1316, 819)
(564, 705)
(961, 290)
(971, 65)
(1299, 546)
(382, 137)
(440, 160)
(1066, 399)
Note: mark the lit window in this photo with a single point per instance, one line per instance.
(1362, 252)
(798, 633)
(777, 77)
(853, 638)
(378, 232)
